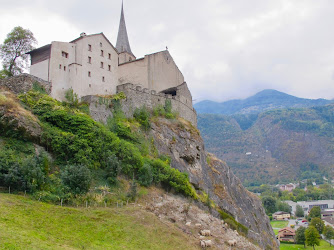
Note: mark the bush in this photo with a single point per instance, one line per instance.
(145, 175)
(76, 178)
(143, 117)
(229, 219)
(113, 169)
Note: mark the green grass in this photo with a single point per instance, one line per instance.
(28, 224)
(279, 224)
(323, 246)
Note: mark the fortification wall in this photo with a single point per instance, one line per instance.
(137, 97)
(23, 83)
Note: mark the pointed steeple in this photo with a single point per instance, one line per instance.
(123, 44)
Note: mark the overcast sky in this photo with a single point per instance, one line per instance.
(226, 49)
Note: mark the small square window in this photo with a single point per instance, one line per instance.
(89, 74)
(89, 47)
(89, 59)
(109, 67)
(103, 79)
(102, 65)
(109, 56)
(100, 44)
(101, 52)
(64, 54)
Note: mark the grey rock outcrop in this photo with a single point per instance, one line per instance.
(183, 143)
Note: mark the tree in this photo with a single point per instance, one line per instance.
(12, 52)
(283, 206)
(329, 233)
(315, 212)
(300, 236)
(299, 211)
(312, 236)
(318, 224)
(269, 204)
(76, 178)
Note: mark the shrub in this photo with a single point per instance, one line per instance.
(229, 219)
(143, 117)
(76, 178)
(113, 169)
(145, 175)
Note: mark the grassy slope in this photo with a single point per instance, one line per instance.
(323, 246)
(279, 224)
(27, 224)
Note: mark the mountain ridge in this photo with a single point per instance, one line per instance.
(264, 100)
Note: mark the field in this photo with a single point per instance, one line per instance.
(28, 224)
(279, 224)
(323, 246)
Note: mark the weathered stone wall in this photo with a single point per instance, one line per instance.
(99, 109)
(136, 97)
(23, 83)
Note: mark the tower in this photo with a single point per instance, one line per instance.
(122, 44)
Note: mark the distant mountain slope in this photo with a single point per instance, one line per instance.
(265, 100)
(278, 145)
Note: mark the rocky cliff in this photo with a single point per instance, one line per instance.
(182, 142)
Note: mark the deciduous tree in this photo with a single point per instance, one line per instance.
(299, 211)
(312, 236)
(315, 212)
(318, 224)
(329, 233)
(300, 236)
(12, 52)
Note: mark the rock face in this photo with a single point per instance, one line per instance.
(182, 142)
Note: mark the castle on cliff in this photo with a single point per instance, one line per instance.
(91, 66)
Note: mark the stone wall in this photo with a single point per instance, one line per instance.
(137, 97)
(23, 83)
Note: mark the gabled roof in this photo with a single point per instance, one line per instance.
(97, 34)
(122, 44)
(287, 229)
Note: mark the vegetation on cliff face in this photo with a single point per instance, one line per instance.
(275, 146)
(81, 149)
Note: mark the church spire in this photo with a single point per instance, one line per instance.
(122, 44)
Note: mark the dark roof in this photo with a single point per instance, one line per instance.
(122, 44)
(45, 47)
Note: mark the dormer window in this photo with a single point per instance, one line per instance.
(64, 54)
(89, 47)
(101, 52)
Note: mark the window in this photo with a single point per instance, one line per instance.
(89, 59)
(64, 54)
(100, 44)
(59, 66)
(109, 67)
(64, 68)
(101, 52)
(89, 47)
(109, 56)
(102, 78)
(90, 85)
(102, 65)
(89, 74)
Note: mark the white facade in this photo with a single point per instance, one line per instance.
(90, 65)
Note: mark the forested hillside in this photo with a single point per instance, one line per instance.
(265, 100)
(274, 146)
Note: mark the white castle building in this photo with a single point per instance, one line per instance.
(91, 65)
